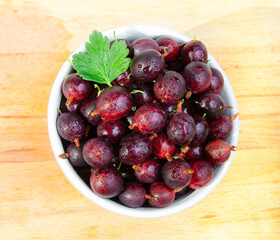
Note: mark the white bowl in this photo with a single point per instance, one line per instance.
(132, 32)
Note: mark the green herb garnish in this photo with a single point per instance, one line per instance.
(102, 64)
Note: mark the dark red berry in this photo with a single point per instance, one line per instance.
(181, 128)
(139, 98)
(217, 81)
(171, 46)
(147, 65)
(133, 196)
(70, 127)
(221, 127)
(141, 44)
(135, 148)
(150, 118)
(201, 132)
(212, 104)
(88, 107)
(74, 155)
(114, 131)
(194, 51)
(194, 152)
(123, 79)
(98, 152)
(163, 147)
(114, 103)
(75, 89)
(218, 151)
(129, 46)
(198, 77)
(160, 195)
(203, 173)
(148, 171)
(170, 87)
(176, 174)
(106, 183)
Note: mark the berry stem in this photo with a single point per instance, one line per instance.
(169, 159)
(94, 172)
(59, 111)
(188, 94)
(128, 76)
(98, 88)
(234, 117)
(87, 130)
(182, 44)
(228, 106)
(153, 136)
(165, 53)
(69, 100)
(187, 171)
(233, 148)
(93, 113)
(178, 190)
(148, 196)
(137, 168)
(132, 126)
(77, 142)
(184, 149)
(64, 155)
(179, 106)
(120, 164)
(137, 91)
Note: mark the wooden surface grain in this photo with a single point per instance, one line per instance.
(36, 200)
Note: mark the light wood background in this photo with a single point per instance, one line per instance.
(36, 200)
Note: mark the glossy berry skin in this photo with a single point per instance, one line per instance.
(217, 81)
(150, 118)
(203, 173)
(148, 171)
(176, 174)
(162, 195)
(170, 87)
(76, 88)
(114, 131)
(106, 183)
(217, 151)
(76, 155)
(114, 103)
(201, 132)
(129, 47)
(133, 196)
(171, 45)
(87, 108)
(123, 79)
(74, 107)
(98, 153)
(70, 126)
(194, 51)
(135, 148)
(162, 146)
(198, 76)
(181, 128)
(147, 65)
(139, 98)
(141, 44)
(212, 104)
(220, 127)
(194, 152)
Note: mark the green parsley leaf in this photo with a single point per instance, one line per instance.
(101, 63)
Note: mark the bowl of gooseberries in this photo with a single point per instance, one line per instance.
(143, 121)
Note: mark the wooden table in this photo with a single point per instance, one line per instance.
(36, 200)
